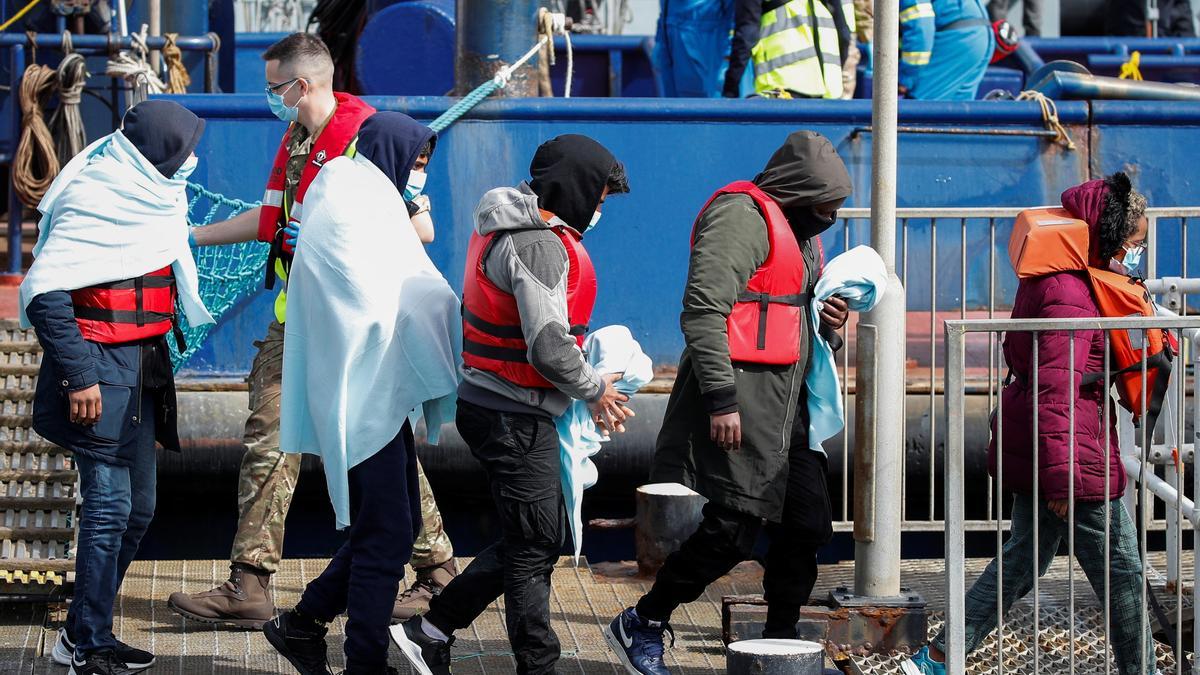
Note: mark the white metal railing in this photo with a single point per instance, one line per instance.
(1169, 489)
(953, 263)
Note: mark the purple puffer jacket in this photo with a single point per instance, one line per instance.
(1062, 295)
(1056, 296)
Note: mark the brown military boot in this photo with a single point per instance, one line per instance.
(430, 581)
(244, 601)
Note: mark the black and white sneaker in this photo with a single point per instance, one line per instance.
(104, 662)
(134, 659)
(304, 649)
(427, 655)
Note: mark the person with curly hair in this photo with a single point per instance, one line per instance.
(1117, 225)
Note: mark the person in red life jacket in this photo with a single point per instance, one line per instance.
(1117, 228)
(110, 265)
(736, 425)
(323, 125)
(528, 294)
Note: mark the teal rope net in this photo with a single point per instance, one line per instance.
(231, 273)
(228, 274)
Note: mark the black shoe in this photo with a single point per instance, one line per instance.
(423, 652)
(386, 671)
(134, 659)
(104, 662)
(304, 649)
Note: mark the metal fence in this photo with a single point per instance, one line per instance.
(954, 266)
(1127, 586)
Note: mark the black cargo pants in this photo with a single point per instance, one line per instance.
(519, 453)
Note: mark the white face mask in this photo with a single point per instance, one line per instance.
(595, 219)
(416, 183)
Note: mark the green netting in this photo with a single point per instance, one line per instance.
(228, 274)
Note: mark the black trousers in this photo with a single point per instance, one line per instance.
(520, 455)
(727, 537)
(364, 575)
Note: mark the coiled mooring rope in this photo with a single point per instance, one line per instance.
(178, 78)
(66, 125)
(132, 67)
(35, 163)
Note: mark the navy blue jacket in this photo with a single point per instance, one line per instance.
(71, 363)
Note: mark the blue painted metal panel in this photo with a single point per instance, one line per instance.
(1155, 142)
(676, 152)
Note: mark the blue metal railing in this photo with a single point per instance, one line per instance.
(17, 43)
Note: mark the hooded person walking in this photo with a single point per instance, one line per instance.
(373, 334)
(528, 294)
(110, 264)
(736, 426)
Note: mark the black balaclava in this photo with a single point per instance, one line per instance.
(393, 141)
(568, 176)
(804, 172)
(165, 132)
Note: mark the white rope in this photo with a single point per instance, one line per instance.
(132, 67)
(505, 74)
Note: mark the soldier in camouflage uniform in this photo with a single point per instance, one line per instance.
(267, 478)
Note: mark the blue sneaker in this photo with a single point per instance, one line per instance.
(922, 664)
(638, 643)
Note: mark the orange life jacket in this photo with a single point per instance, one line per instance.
(1046, 241)
(492, 337)
(764, 326)
(277, 207)
(129, 310)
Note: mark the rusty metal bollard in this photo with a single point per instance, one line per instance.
(667, 514)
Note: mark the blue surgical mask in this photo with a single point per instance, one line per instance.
(1132, 260)
(595, 219)
(416, 184)
(185, 171)
(279, 108)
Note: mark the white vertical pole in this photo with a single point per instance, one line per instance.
(878, 489)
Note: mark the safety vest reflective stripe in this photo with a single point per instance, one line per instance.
(915, 58)
(786, 56)
(784, 61)
(792, 22)
(919, 11)
(273, 198)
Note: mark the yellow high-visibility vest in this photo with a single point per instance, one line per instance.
(787, 57)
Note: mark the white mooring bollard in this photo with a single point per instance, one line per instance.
(775, 657)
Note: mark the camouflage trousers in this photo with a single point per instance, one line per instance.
(267, 478)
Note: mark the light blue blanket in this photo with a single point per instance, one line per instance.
(859, 277)
(611, 349)
(373, 331)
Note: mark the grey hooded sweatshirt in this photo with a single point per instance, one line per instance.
(530, 262)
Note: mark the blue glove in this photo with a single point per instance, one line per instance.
(291, 234)
(192, 237)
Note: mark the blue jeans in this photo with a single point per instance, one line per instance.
(1125, 575)
(118, 505)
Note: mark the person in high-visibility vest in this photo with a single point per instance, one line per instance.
(945, 48)
(797, 47)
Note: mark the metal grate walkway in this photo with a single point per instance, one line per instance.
(37, 482)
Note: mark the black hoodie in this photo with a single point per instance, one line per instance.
(165, 132)
(568, 174)
(393, 141)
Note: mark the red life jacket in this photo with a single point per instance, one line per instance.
(764, 326)
(129, 310)
(277, 207)
(492, 338)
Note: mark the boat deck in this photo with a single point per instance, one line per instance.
(585, 598)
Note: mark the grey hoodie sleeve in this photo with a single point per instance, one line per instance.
(533, 267)
(730, 244)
